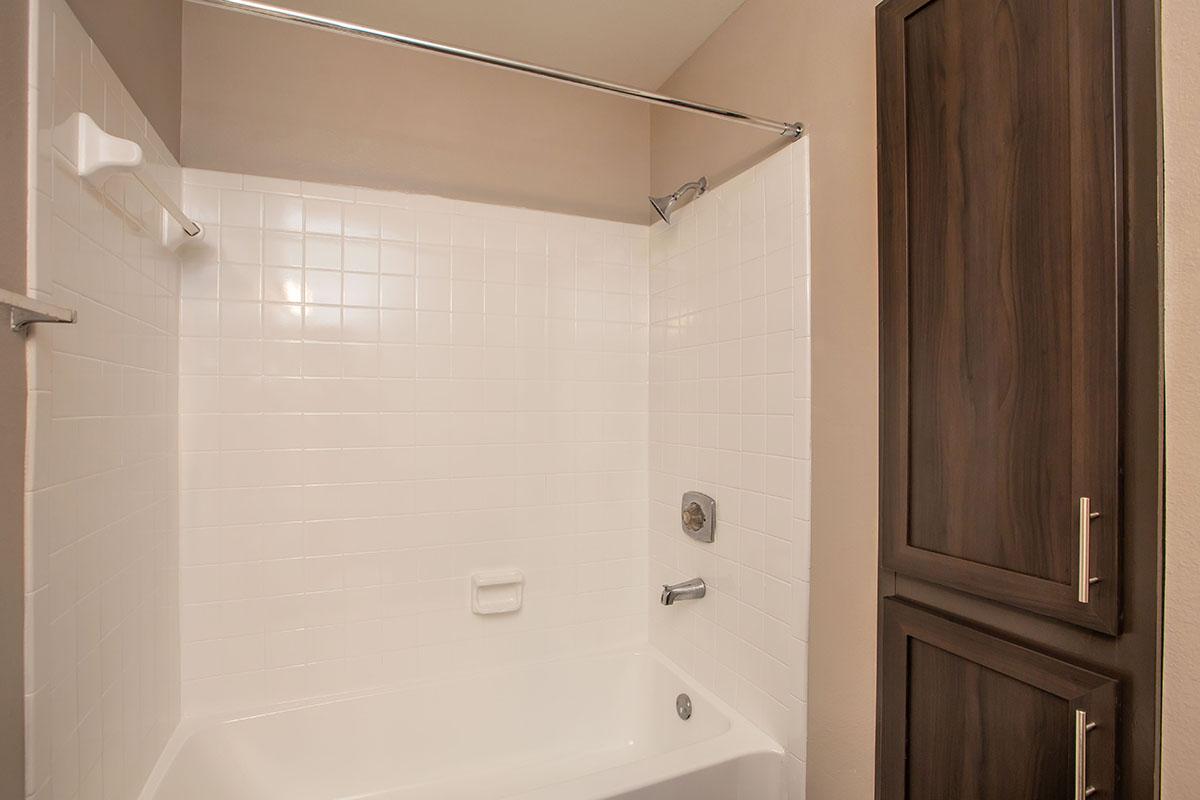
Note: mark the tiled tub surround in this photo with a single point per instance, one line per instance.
(382, 393)
(102, 542)
(371, 396)
(729, 416)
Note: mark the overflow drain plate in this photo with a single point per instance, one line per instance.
(683, 706)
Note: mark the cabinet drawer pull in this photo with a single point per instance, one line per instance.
(1086, 515)
(1082, 728)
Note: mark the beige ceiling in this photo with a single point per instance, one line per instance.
(640, 42)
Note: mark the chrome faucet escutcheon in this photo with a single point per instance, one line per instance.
(688, 590)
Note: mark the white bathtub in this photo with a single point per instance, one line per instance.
(578, 729)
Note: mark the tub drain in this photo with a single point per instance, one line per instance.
(683, 706)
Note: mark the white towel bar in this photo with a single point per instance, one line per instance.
(101, 154)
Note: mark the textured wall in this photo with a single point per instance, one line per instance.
(14, 92)
(729, 416)
(102, 544)
(751, 63)
(266, 98)
(815, 60)
(1181, 644)
(383, 393)
(143, 40)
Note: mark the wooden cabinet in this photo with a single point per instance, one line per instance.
(999, 294)
(1020, 397)
(970, 715)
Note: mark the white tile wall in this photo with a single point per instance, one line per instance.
(102, 542)
(729, 416)
(382, 393)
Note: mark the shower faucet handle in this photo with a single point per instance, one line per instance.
(698, 516)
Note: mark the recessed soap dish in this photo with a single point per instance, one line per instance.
(497, 592)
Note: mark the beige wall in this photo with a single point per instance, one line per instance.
(1181, 640)
(142, 40)
(14, 30)
(751, 63)
(815, 60)
(272, 99)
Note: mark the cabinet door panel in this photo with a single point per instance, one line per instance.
(965, 714)
(998, 299)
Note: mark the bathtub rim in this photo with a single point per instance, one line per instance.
(742, 737)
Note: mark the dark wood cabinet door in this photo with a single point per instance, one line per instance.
(969, 716)
(1000, 281)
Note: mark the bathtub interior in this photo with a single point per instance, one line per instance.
(511, 732)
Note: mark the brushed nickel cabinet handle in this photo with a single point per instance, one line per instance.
(1082, 728)
(1086, 515)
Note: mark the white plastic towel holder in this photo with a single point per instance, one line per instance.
(100, 155)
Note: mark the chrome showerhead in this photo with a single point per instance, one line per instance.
(666, 204)
(663, 206)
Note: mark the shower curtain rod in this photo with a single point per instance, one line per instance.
(792, 129)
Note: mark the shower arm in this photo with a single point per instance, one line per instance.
(791, 129)
(701, 186)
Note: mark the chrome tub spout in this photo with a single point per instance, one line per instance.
(688, 590)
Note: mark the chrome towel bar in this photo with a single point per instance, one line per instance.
(24, 311)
